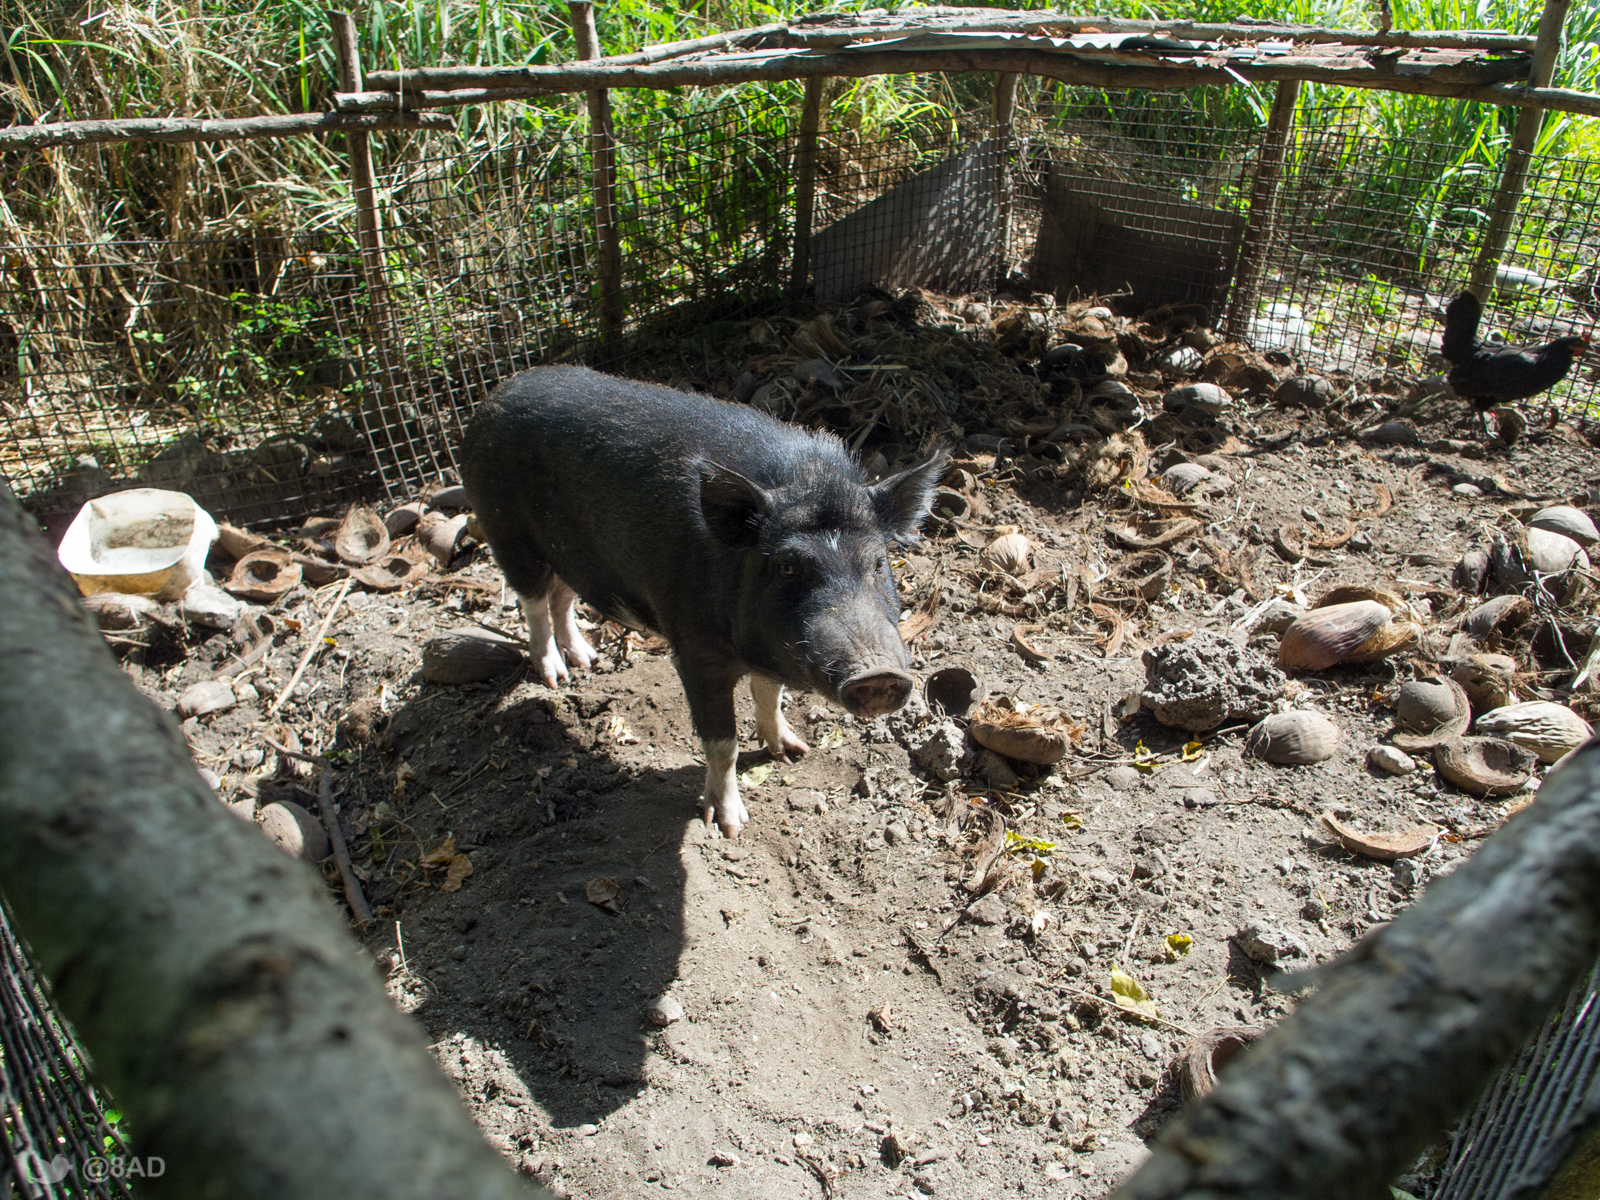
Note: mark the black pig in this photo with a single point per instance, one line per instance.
(755, 547)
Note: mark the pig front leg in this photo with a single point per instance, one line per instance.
(711, 707)
(575, 648)
(771, 728)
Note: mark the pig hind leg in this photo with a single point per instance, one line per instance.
(771, 728)
(575, 648)
(542, 648)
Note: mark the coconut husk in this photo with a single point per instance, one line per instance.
(1029, 733)
(264, 576)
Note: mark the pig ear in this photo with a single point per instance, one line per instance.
(732, 506)
(902, 500)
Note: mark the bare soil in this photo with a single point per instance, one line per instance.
(853, 1024)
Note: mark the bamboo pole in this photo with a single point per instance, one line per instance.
(1517, 95)
(805, 182)
(1005, 111)
(1133, 71)
(986, 20)
(1263, 203)
(603, 156)
(1519, 153)
(385, 414)
(233, 129)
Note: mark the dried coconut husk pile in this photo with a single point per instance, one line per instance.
(892, 371)
(1147, 413)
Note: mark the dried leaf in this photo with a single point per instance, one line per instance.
(1128, 994)
(456, 867)
(832, 738)
(602, 892)
(1178, 944)
(757, 775)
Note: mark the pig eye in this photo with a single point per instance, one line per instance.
(883, 564)
(788, 568)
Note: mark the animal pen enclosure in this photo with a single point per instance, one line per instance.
(286, 361)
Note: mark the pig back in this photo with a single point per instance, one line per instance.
(602, 476)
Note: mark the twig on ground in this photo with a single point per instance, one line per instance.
(305, 659)
(353, 894)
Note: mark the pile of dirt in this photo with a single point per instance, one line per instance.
(927, 966)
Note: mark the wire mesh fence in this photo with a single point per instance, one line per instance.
(52, 1120)
(257, 368)
(1528, 1134)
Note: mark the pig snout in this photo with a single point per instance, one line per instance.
(874, 693)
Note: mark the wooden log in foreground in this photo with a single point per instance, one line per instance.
(225, 1006)
(1404, 1032)
(197, 129)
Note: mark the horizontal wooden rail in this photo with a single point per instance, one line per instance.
(1384, 74)
(198, 129)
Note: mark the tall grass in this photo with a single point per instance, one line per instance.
(238, 57)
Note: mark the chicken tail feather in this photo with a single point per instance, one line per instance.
(1461, 327)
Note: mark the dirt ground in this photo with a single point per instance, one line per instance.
(824, 1006)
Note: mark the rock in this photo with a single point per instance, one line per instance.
(1392, 433)
(295, 830)
(991, 910)
(1200, 798)
(587, 1129)
(1123, 778)
(1469, 490)
(208, 605)
(895, 833)
(1407, 874)
(1304, 391)
(803, 1139)
(468, 656)
(997, 771)
(210, 696)
(246, 693)
(663, 1010)
(940, 750)
(1391, 760)
(1276, 617)
(1268, 944)
(209, 778)
(1150, 1046)
(1206, 680)
(808, 800)
(1207, 397)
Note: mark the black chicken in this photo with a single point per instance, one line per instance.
(1490, 375)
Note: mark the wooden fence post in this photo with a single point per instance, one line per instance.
(1005, 111)
(369, 240)
(1263, 202)
(603, 157)
(1520, 152)
(805, 183)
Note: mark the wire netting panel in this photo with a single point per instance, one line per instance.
(1372, 233)
(52, 1120)
(490, 253)
(227, 366)
(1141, 195)
(1536, 1114)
